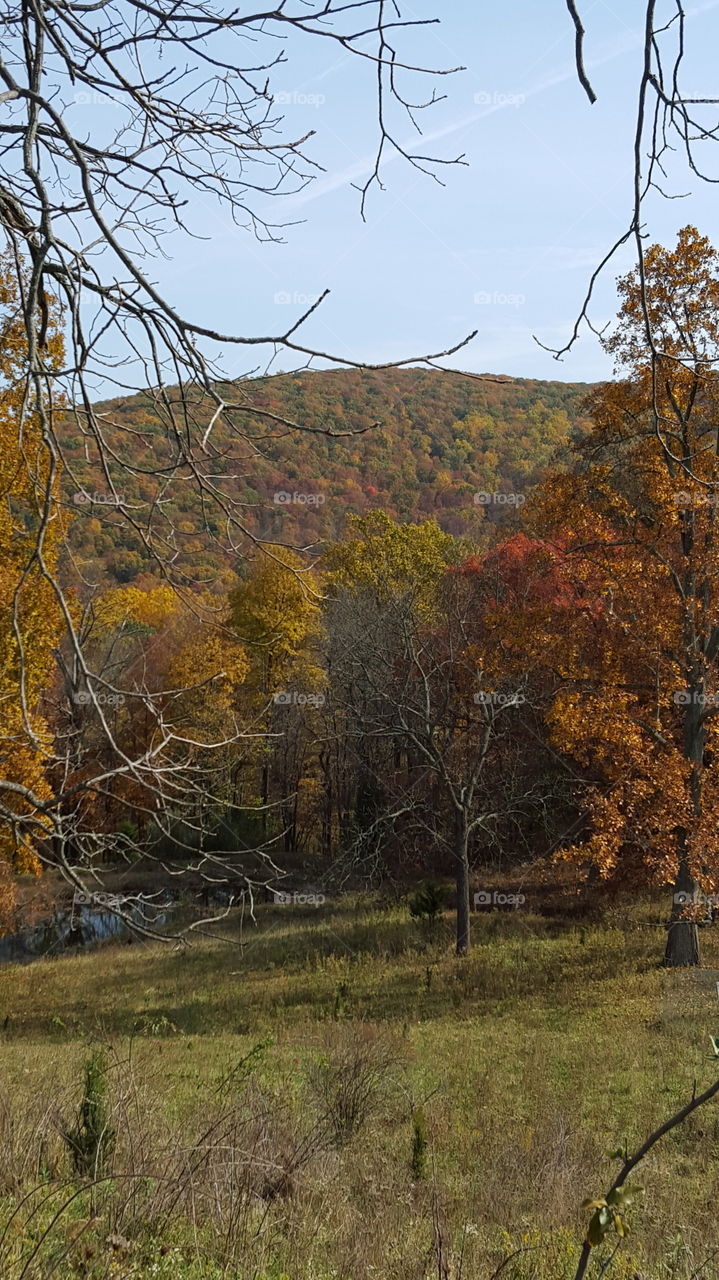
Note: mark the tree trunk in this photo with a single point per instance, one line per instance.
(265, 797)
(462, 872)
(325, 762)
(682, 949)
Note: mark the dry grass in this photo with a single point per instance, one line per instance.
(263, 1100)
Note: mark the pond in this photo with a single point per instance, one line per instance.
(83, 926)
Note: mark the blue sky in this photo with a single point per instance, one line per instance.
(506, 246)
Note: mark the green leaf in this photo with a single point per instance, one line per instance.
(624, 1195)
(598, 1226)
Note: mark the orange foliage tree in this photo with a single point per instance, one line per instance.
(637, 698)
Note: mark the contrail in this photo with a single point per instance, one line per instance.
(363, 167)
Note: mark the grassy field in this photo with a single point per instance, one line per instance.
(270, 1094)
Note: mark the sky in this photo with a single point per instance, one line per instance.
(506, 246)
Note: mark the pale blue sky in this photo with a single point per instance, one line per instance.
(546, 191)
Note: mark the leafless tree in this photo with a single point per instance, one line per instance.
(673, 130)
(669, 120)
(87, 198)
(443, 742)
(85, 206)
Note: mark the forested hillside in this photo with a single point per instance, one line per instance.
(419, 443)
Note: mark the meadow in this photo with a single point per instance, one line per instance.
(333, 1095)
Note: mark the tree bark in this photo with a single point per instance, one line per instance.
(461, 854)
(682, 949)
(265, 797)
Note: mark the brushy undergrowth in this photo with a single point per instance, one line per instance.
(337, 1097)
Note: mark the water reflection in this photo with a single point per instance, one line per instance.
(84, 926)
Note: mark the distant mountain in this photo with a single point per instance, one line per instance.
(442, 437)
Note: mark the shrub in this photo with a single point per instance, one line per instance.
(351, 1082)
(427, 903)
(92, 1140)
(419, 1146)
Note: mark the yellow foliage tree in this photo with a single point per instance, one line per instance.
(207, 671)
(275, 615)
(128, 605)
(177, 670)
(387, 559)
(30, 622)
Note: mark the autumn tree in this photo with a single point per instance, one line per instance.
(31, 532)
(424, 706)
(381, 558)
(380, 568)
(638, 525)
(85, 202)
(275, 615)
(165, 678)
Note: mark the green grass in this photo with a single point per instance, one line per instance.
(551, 1044)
